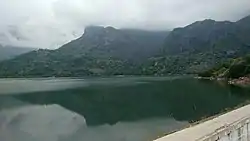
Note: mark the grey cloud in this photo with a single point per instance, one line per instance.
(51, 23)
(148, 14)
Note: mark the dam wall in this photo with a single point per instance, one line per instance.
(232, 126)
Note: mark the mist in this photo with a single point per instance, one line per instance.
(51, 23)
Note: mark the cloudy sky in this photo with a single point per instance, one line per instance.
(51, 23)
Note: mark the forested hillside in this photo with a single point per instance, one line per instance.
(109, 51)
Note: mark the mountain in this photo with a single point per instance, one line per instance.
(236, 67)
(109, 51)
(8, 52)
(209, 35)
(126, 44)
(202, 45)
(99, 51)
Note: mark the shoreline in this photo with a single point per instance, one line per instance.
(240, 82)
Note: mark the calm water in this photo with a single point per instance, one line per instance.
(108, 109)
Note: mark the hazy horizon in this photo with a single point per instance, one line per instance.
(52, 23)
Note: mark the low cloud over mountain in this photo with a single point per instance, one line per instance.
(51, 23)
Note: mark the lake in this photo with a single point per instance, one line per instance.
(109, 109)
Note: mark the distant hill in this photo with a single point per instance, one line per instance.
(99, 51)
(126, 44)
(202, 45)
(8, 52)
(236, 67)
(209, 35)
(109, 51)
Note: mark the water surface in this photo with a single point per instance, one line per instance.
(108, 109)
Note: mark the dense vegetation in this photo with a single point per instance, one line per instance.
(233, 68)
(100, 51)
(47, 63)
(109, 51)
(202, 45)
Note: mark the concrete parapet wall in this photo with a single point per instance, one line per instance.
(239, 131)
(232, 126)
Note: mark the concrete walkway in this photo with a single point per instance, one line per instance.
(203, 130)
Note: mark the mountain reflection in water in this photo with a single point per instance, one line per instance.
(112, 109)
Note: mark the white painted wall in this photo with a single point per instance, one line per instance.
(235, 132)
(232, 126)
